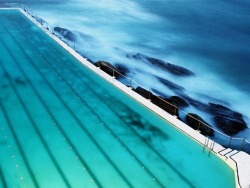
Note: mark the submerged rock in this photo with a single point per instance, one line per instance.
(197, 123)
(67, 34)
(173, 69)
(171, 85)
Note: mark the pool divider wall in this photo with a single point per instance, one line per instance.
(239, 161)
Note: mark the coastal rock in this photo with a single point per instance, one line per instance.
(122, 69)
(178, 101)
(143, 92)
(108, 68)
(223, 111)
(173, 69)
(229, 121)
(165, 104)
(196, 122)
(170, 85)
(67, 34)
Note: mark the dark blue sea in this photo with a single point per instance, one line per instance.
(210, 38)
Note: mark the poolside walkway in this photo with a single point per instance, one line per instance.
(243, 163)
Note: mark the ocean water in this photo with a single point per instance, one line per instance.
(210, 38)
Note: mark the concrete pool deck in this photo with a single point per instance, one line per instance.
(238, 161)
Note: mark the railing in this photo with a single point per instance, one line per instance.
(240, 144)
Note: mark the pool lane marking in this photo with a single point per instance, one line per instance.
(78, 123)
(44, 142)
(1, 175)
(13, 158)
(18, 144)
(2, 178)
(33, 124)
(15, 135)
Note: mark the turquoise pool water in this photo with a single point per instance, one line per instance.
(62, 125)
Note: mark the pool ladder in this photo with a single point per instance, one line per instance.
(208, 145)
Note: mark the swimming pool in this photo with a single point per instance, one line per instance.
(61, 125)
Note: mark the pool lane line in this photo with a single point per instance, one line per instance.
(33, 124)
(41, 136)
(15, 136)
(2, 178)
(12, 155)
(78, 121)
(31, 119)
(44, 142)
(18, 145)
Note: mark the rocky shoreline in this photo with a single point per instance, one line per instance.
(225, 119)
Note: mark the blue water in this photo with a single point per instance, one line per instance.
(210, 38)
(217, 31)
(61, 125)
